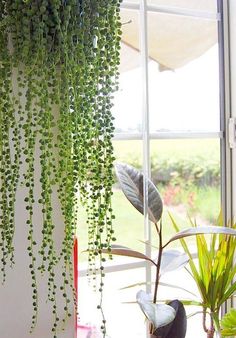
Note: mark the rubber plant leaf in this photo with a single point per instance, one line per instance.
(173, 260)
(125, 251)
(131, 182)
(168, 285)
(158, 314)
(202, 230)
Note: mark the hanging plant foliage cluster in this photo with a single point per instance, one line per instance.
(57, 56)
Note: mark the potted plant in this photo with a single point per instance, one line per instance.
(165, 320)
(214, 274)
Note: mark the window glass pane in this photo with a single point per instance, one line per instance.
(128, 223)
(184, 96)
(187, 173)
(127, 108)
(183, 74)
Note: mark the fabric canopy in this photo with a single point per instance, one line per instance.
(173, 40)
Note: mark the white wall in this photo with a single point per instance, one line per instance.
(16, 294)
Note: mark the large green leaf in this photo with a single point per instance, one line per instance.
(131, 182)
(229, 292)
(216, 269)
(208, 285)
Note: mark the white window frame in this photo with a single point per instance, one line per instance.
(227, 37)
(230, 90)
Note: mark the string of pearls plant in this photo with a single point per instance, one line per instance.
(63, 56)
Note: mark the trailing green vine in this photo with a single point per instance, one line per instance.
(58, 70)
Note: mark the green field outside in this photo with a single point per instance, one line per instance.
(172, 148)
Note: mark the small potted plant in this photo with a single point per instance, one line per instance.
(214, 274)
(165, 320)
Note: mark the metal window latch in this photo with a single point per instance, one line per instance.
(232, 132)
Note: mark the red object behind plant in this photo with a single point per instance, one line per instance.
(76, 279)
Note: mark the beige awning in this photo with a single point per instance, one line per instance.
(173, 40)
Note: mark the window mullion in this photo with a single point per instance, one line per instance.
(227, 55)
(232, 79)
(225, 111)
(232, 86)
(187, 12)
(146, 141)
(169, 135)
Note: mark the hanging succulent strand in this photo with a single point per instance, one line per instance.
(57, 56)
(100, 157)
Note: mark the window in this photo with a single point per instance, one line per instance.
(171, 120)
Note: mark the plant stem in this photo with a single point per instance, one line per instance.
(214, 326)
(216, 322)
(211, 330)
(210, 333)
(204, 321)
(158, 263)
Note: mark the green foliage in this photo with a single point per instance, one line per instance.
(175, 163)
(133, 184)
(228, 323)
(199, 171)
(199, 195)
(215, 270)
(57, 56)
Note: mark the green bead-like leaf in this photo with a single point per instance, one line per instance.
(58, 67)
